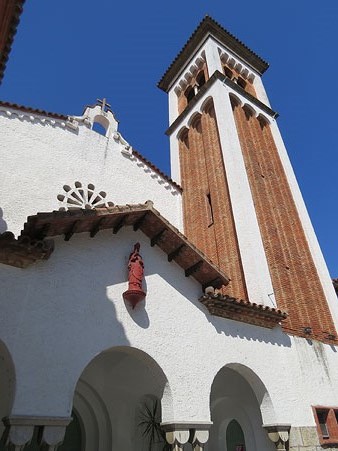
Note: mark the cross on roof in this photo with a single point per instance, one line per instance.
(104, 104)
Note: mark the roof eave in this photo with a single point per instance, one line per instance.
(209, 26)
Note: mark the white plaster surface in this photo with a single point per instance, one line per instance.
(38, 158)
(69, 309)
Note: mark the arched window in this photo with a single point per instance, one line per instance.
(241, 82)
(235, 437)
(228, 72)
(189, 93)
(98, 128)
(200, 79)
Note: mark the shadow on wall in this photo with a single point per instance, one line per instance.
(3, 223)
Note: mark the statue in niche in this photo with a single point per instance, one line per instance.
(135, 292)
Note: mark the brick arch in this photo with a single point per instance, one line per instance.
(194, 119)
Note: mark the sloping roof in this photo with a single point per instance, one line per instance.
(140, 216)
(209, 26)
(28, 109)
(10, 11)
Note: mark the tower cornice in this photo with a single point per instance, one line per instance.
(208, 26)
(219, 76)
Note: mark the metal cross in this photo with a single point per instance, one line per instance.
(104, 104)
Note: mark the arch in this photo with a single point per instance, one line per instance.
(194, 119)
(237, 393)
(108, 392)
(7, 379)
(249, 110)
(182, 133)
(189, 93)
(264, 121)
(7, 383)
(259, 389)
(234, 436)
(102, 121)
(207, 104)
(235, 101)
(200, 79)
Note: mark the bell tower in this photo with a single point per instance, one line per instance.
(241, 202)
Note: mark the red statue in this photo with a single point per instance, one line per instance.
(135, 293)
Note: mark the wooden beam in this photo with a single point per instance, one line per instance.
(96, 227)
(155, 239)
(120, 223)
(193, 268)
(71, 230)
(139, 222)
(175, 253)
(44, 231)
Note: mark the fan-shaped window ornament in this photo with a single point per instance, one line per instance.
(82, 197)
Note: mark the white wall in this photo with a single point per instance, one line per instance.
(63, 312)
(38, 158)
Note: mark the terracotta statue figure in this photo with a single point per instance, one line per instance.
(136, 269)
(135, 292)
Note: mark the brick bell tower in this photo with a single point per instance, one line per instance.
(241, 202)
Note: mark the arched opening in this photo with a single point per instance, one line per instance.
(235, 440)
(228, 72)
(200, 79)
(100, 125)
(119, 403)
(7, 387)
(189, 93)
(239, 402)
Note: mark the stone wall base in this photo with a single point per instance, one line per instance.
(306, 439)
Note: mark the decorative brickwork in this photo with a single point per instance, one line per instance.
(208, 218)
(295, 280)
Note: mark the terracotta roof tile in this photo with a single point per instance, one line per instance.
(10, 12)
(240, 310)
(209, 25)
(140, 216)
(29, 109)
(156, 169)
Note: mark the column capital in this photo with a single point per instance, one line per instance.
(180, 433)
(20, 429)
(279, 434)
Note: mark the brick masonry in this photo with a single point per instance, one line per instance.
(294, 276)
(208, 218)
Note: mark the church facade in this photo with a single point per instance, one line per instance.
(142, 312)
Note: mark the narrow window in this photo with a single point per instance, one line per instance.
(210, 211)
(200, 80)
(227, 72)
(241, 82)
(322, 421)
(189, 93)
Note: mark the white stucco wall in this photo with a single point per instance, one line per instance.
(63, 312)
(39, 156)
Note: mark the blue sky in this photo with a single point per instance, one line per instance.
(67, 54)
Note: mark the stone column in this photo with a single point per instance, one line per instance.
(279, 434)
(20, 430)
(178, 434)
